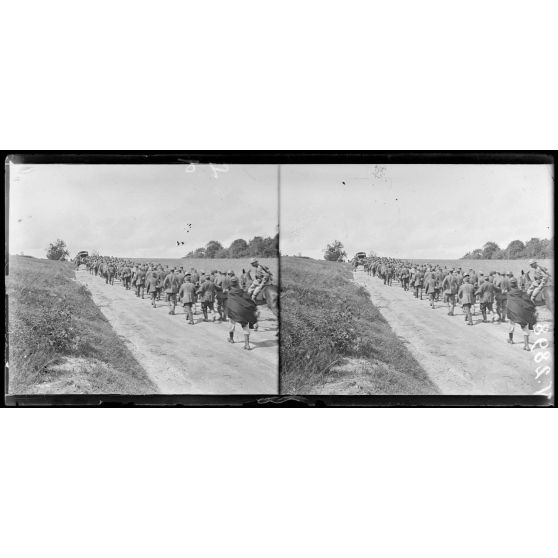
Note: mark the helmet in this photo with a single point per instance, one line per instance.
(230, 272)
(253, 261)
(531, 262)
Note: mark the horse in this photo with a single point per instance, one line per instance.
(269, 295)
(546, 298)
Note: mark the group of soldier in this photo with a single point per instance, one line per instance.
(235, 296)
(514, 296)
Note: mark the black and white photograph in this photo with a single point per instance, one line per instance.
(417, 279)
(142, 279)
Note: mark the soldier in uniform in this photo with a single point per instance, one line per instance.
(218, 282)
(540, 277)
(449, 284)
(207, 294)
(187, 294)
(485, 292)
(503, 295)
(226, 286)
(170, 284)
(241, 309)
(262, 277)
(152, 283)
(140, 281)
(466, 295)
(404, 276)
(430, 285)
(521, 311)
(418, 283)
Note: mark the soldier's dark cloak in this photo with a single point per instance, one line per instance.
(241, 308)
(520, 308)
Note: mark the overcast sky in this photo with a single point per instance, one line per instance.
(414, 211)
(139, 210)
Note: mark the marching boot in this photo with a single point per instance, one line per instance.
(510, 338)
(247, 342)
(231, 338)
(526, 343)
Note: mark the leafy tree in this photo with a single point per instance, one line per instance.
(334, 252)
(199, 252)
(547, 248)
(269, 249)
(489, 249)
(238, 249)
(222, 253)
(256, 246)
(533, 248)
(515, 249)
(57, 250)
(212, 248)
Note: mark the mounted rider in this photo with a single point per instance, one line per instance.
(540, 276)
(262, 277)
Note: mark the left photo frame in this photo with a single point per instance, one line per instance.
(130, 278)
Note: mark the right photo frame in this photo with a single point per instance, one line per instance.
(417, 279)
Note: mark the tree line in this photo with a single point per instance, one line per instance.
(258, 247)
(516, 250)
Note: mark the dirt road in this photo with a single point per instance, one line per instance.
(460, 359)
(186, 359)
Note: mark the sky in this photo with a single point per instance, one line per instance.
(139, 210)
(412, 211)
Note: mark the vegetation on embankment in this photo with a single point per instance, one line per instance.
(334, 340)
(59, 341)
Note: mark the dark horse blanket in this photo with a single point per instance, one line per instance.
(520, 308)
(240, 307)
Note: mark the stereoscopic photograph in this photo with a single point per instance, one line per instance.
(416, 279)
(142, 279)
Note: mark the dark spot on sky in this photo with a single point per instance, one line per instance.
(19, 220)
(343, 184)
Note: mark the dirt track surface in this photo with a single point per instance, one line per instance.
(185, 359)
(461, 359)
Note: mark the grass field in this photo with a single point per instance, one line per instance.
(59, 341)
(486, 266)
(221, 264)
(334, 340)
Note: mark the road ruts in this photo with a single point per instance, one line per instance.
(185, 359)
(459, 359)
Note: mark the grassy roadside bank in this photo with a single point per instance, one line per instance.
(334, 340)
(59, 341)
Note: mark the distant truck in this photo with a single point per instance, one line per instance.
(359, 260)
(80, 256)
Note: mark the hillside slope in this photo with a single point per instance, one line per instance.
(59, 341)
(335, 341)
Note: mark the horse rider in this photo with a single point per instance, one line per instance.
(262, 277)
(540, 277)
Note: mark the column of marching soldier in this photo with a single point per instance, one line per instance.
(514, 296)
(189, 287)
